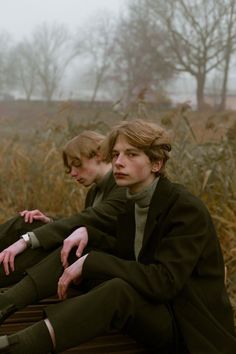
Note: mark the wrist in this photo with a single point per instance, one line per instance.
(27, 240)
(22, 244)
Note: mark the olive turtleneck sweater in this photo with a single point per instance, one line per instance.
(142, 202)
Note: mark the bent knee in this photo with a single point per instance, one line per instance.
(119, 290)
(118, 284)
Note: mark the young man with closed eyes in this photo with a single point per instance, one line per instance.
(29, 237)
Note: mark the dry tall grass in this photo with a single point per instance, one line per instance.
(208, 169)
(203, 158)
(33, 176)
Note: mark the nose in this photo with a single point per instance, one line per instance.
(119, 160)
(74, 171)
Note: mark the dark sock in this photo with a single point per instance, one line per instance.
(6, 308)
(32, 340)
(22, 294)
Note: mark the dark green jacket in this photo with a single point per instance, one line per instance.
(180, 264)
(102, 216)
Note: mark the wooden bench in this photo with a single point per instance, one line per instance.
(114, 343)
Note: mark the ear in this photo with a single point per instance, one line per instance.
(98, 156)
(156, 166)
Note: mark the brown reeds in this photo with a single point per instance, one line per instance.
(203, 158)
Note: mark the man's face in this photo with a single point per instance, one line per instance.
(84, 170)
(131, 166)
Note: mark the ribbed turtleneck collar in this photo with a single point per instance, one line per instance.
(143, 198)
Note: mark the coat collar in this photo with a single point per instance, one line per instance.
(160, 198)
(159, 202)
(126, 224)
(106, 187)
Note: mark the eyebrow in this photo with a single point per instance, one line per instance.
(129, 150)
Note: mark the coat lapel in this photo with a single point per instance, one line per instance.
(126, 232)
(159, 202)
(109, 185)
(91, 195)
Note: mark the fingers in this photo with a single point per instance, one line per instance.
(62, 288)
(80, 249)
(7, 259)
(64, 255)
(27, 215)
(73, 272)
(4, 261)
(23, 214)
(31, 215)
(12, 262)
(42, 218)
(6, 264)
(67, 247)
(7, 256)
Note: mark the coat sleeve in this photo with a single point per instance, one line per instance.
(102, 216)
(173, 260)
(99, 240)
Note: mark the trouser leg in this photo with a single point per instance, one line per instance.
(34, 339)
(111, 305)
(152, 325)
(40, 282)
(10, 232)
(45, 274)
(27, 259)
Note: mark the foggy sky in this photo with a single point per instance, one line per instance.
(19, 17)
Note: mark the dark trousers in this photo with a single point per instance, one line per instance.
(10, 232)
(113, 304)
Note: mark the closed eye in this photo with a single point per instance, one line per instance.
(76, 163)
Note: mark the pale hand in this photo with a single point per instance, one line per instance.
(73, 273)
(79, 239)
(31, 215)
(7, 256)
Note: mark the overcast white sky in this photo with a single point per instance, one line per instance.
(19, 17)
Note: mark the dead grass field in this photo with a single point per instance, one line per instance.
(32, 175)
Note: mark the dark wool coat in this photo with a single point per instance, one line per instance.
(101, 216)
(180, 264)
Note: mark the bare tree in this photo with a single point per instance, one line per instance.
(23, 68)
(197, 35)
(142, 60)
(5, 80)
(52, 52)
(230, 43)
(95, 44)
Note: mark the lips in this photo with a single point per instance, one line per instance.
(120, 175)
(81, 181)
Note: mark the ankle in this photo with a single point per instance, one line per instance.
(6, 308)
(34, 339)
